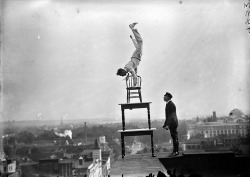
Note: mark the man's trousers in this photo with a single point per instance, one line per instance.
(174, 135)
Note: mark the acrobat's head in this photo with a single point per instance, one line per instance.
(121, 72)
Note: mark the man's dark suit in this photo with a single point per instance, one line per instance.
(171, 117)
(172, 122)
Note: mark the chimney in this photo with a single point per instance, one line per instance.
(96, 145)
(85, 133)
(214, 116)
(96, 154)
(80, 161)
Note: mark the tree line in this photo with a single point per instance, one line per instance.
(30, 135)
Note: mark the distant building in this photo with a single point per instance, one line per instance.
(235, 124)
(81, 167)
(191, 145)
(54, 166)
(107, 156)
(89, 168)
(93, 162)
(7, 167)
(28, 167)
(100, 163)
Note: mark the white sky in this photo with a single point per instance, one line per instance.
(61, 57)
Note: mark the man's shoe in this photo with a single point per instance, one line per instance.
(132, 25)
(171, 154)
(175, 153)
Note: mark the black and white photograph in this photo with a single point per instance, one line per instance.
(123, 88)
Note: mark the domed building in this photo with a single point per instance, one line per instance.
(234, 125)
(236, 113)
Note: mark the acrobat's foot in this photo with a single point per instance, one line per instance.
(133, 25)
(133, 38)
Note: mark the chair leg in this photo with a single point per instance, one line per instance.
(127, 96)
(140, 95)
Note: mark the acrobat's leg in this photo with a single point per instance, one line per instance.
(134, 41)
(136, 34)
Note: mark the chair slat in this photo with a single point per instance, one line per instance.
(133, 92)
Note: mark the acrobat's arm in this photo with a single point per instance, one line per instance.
(134, 75)
(136, 70)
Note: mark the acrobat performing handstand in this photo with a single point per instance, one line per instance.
(131, 66)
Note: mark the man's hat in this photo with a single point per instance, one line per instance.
(169, 95)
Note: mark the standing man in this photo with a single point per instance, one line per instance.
(131, 66)
(171, 122)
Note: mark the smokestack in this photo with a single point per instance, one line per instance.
(1, 142)
(61, 121)
(39, 116)
(214, 116)
(85, 133)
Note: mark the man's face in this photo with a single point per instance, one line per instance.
(166, 98)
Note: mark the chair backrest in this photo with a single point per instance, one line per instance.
(130, 81)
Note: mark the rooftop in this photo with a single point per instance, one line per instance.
(223, 164)
(136, 166)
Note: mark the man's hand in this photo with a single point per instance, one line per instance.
(166, 127)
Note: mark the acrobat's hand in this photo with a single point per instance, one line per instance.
(126, 78)
(134, 81)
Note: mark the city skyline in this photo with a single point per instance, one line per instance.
(59, 59)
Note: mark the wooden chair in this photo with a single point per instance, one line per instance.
(133, 91)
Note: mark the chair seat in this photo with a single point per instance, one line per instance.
(133, 88)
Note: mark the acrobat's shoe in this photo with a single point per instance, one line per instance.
(133, 25)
